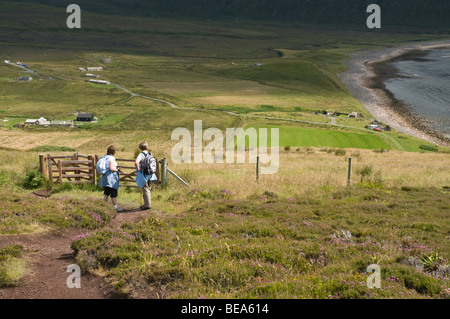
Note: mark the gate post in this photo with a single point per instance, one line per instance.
(42, 166)
(164, 172)
(50, 168)
(92, 169)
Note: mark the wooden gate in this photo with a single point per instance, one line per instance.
(76, 168)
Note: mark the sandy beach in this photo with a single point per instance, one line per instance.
(376, 101)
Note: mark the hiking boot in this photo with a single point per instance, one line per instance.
(118, 209)
(145, 208)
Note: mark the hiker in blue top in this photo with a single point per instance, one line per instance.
(110, 179)
(144, 180)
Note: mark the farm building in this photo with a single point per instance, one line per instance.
(25, 78)
(100, 82)
(105, 60)
(7, 61)
(353, 114)
(62, 123)
(90, 75)
(41, 121)
(97, 68)
(85, 117)
(82, 69)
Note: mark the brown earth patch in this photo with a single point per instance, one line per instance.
(48, 256)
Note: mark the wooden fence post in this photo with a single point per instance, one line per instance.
(92, 169)
(60, 173)
(158, 171)
(349, 177)
(257, 168)
(76, 158)
(50, 168)
(164, 172)
(42, 165)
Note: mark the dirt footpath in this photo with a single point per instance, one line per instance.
(49, 255)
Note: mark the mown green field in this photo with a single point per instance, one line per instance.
(309, 137)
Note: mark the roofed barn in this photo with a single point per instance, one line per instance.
(85, 117)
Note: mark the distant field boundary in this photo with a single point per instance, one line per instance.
(388, 139)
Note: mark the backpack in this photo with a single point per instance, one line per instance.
(148, 164)
(103, 165)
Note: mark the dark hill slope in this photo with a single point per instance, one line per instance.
(415, 13)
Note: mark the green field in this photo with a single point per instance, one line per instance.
(309, 137)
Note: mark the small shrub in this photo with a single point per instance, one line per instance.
(270, 196)
(34, 179)
(382, 150)
(287, 148)
(356, 155)
(365, 171)
(429, 148)
(409, 189)
(12, 268)
(432, 262)
(340, 152)
(369, 178)
(11, 251)
(267, 107)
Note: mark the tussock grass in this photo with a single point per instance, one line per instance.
(12, 266)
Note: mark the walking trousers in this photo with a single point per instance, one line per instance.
(146, 192)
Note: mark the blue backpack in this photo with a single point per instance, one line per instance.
(103, 165)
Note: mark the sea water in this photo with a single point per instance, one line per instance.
(425, 89)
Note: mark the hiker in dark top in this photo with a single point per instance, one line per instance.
(144, 180)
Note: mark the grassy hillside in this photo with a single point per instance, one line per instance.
(300, 233)
(334, 12)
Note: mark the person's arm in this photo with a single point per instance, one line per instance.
(136, 163)
(112, 167)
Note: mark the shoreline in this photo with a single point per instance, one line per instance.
(364, 82)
